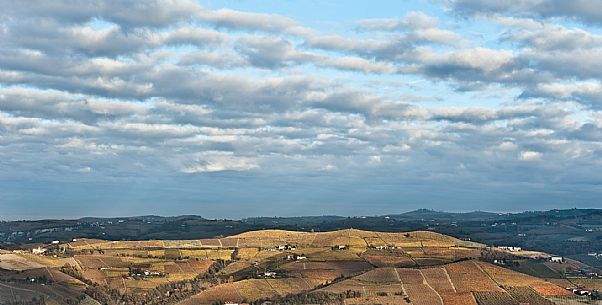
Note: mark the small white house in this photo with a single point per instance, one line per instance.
(38, 250)
(55, 242)
(556, 259)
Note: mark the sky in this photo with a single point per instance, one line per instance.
(240, 108)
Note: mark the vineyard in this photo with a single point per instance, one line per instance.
(494, 298)
(526, 295)
(467, 277)
(415, 268)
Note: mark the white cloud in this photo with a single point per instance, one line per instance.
(529, 155)
(219, 161)
(168, 89)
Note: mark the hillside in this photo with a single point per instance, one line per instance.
(348, 266)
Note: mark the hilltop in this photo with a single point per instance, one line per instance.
(574, 233)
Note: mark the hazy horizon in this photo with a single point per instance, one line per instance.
(273, 216)
(234, 109)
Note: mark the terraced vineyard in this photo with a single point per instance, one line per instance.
(359, 267)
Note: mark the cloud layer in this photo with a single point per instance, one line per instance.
(229, 113)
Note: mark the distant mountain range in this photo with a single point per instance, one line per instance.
(416, 215)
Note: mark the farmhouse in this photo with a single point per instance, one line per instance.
(293, 257)
(38, 250)
(153, 273)
(511, 248)
(557, 259)
(286, 247)
(269, 274)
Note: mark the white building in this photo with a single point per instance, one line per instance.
(557, 259)
(38, 250)
(511, 248)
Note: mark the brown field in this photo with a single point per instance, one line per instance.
(235, 267)
(220, 293)
(468, 277)
(17, 262)
(494, 298)
(379, 276)
(391, 299)
(420, 294)
(345, 268)
(216, 254)
(389, 260)
(329, 255)
(586, 283)
(550, 290)
(459, 299)
(51, 274)
(438, 279)
(99, 261)
(507, 277)
(426, 262)
(367, 289)
(417, 289)
(526, 295)
(54, 294)
(49, 261)
(183, 244)
(564, 283)
(249, 290)
(324, 276)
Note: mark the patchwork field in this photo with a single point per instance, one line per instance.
(359, 267)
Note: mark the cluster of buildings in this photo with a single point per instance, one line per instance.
(583, 274)
(147, 273)
(286, 247)
(580, 291)
(511, 248)
(387, 247)
(295, 257)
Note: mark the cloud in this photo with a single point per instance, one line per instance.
(154, 13)
(221, 103)
(419, 27)
(217, 162)
(579, 10)
(529, 155)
